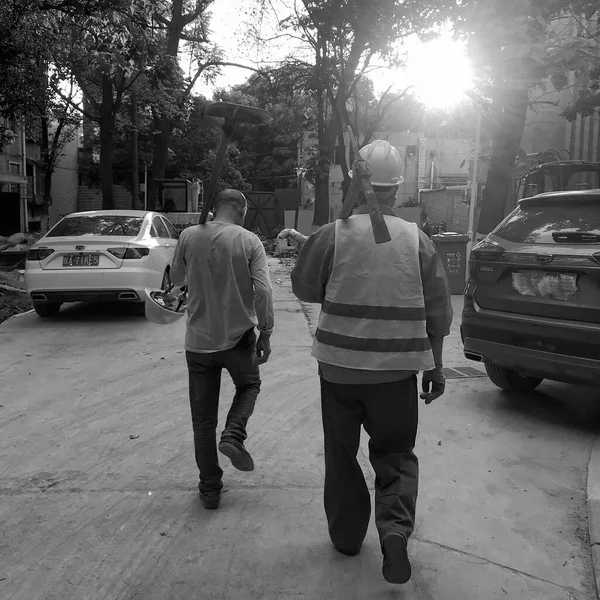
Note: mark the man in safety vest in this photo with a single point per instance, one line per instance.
(385, 309)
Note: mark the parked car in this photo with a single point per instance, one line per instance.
(107, 255)
(532, 301)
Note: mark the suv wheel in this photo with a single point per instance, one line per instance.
(510, 380)
(47, 309)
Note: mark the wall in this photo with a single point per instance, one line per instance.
(448, 206)
(64, 187)
(91, 198)
(449, 157)
(18, 182)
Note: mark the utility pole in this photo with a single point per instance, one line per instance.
(474, 184)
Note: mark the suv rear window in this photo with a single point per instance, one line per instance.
(97, 225)
(570, 222)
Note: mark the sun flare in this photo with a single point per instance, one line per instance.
(439, 72)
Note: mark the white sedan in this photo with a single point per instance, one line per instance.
(107, 255)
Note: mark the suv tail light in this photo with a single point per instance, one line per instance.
(487, 250)
(484, 251)
(39, 253)
(129, 253)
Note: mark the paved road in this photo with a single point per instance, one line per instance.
(98, 494)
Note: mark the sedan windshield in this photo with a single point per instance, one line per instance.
(97, 225)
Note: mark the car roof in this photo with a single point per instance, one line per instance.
(109, 213)
(593, 194)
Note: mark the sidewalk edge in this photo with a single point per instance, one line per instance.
(593, 508)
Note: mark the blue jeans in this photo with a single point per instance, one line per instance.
(204, 371)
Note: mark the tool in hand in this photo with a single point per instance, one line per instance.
(233, 115)
(361, 178)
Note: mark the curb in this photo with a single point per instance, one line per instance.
(16, 316)
(593, 507)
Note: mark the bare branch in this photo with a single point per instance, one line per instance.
(214, 63)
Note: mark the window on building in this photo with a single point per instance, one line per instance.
(14, 168)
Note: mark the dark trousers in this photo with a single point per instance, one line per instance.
(205, 385)
(389, 414)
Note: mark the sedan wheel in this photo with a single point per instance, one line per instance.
(47, 309)
(510, 380)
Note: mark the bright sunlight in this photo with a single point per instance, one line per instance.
(439, 72)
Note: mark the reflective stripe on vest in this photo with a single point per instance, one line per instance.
(373, 316)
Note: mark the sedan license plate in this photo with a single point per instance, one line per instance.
(81, 260)
(540, 284)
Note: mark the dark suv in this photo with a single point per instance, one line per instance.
(532, 302)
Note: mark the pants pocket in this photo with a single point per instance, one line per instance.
(247, 341)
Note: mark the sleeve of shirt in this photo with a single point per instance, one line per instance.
(438, 302)
(314, 265)
(263, 291)
(178, 268)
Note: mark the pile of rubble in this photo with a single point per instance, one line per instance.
(13, 299)
(13, 249)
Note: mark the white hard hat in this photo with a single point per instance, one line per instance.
(385, 163)
(157, 311)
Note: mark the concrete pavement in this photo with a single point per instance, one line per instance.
(98, 494)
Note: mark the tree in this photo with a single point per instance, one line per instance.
(268, 152)
(194, 144)
(367, 112)
(516, 46)
(344, 36)
(106, 53)
(29, 41)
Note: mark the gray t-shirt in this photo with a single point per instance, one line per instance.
(229, 289)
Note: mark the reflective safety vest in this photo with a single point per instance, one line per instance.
(373, 316)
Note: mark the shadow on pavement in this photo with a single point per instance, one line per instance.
(93, 312)
(569, 406)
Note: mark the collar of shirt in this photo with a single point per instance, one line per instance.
(385, 209)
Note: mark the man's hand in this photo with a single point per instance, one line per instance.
(294, 237)
(434, 385)
(263, 348)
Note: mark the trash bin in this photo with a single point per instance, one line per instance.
(452, 248)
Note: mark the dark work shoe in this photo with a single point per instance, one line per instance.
(396, 566)
(210, 500)
(239, 456)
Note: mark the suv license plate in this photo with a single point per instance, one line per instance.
(81, 260)
(554, 286)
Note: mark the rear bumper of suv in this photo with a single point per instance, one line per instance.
(485, 335)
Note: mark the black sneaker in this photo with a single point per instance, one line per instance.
(239, 456)
(396, 566)
(210, 500)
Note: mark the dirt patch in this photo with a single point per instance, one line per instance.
(13, 303)
(13, 298)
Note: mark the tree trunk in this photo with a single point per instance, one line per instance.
(135, 170)
(107, 127)
(163, 125)
(46, 192)
(511, 108)
(321, 216)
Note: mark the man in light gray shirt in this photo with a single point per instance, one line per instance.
(229, 294)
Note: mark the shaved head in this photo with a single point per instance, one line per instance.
(232, 200)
